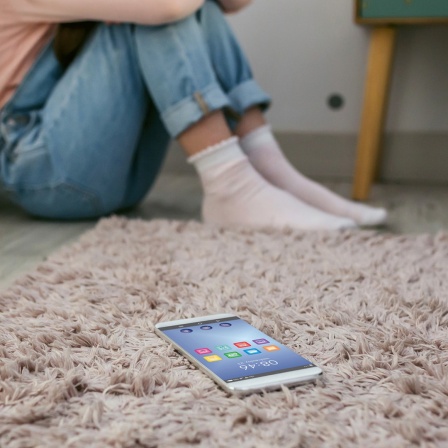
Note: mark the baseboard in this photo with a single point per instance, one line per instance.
(406, 157)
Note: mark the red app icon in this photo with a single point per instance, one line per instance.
(242, 344)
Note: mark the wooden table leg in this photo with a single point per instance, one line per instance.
(376, 94)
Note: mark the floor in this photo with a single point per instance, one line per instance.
(24, 241)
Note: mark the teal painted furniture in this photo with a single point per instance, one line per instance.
(386, 16)
(394, 11)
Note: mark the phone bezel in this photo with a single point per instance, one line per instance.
(270, 382)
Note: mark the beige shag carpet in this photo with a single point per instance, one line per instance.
(80, 365)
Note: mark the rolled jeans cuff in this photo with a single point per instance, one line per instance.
(190, 110)
(246, 95)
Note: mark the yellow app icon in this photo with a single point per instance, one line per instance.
(271, 348)
(212, 358)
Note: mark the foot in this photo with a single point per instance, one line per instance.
(266, 156)
(236, 194)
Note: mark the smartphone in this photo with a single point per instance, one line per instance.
(239, 357)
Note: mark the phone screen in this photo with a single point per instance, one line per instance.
(234, 350)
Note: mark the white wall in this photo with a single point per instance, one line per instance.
(304, 50)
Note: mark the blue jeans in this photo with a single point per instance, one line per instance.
(90, 140)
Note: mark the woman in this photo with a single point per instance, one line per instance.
(89, 139)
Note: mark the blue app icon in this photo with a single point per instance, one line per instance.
(252, 351)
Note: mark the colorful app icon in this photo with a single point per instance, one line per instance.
(186, 330)
(225, 324)
(252, 351)
(233, 355)
(203, 351)
(206, 327)
(223, 347)
(212, 358)
(261, 341)
(241, 344)
(271, 348)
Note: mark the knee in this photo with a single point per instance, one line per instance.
(115, 41)
(212, 9)
(164, 32)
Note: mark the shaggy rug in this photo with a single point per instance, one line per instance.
(80, 365)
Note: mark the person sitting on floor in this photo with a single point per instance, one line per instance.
(87, 138)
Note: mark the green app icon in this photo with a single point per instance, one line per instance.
(223, 347)
(232, 355)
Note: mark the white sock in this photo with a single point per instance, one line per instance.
(235, 193)
(266, 156)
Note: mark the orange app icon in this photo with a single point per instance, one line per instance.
(271, 348)
(212, 358)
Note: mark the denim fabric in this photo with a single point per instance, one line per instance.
(90, 140)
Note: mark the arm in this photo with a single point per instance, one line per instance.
(146, 12)
(230, 6)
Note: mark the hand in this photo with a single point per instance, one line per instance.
(233, 6)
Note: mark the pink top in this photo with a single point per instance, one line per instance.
(27, 25)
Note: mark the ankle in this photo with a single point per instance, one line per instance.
(209, 131)
(253, 119)
(225, 151)
(258, 137)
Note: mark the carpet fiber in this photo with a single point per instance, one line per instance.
(80, 365)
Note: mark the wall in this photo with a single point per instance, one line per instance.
(304, 50)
